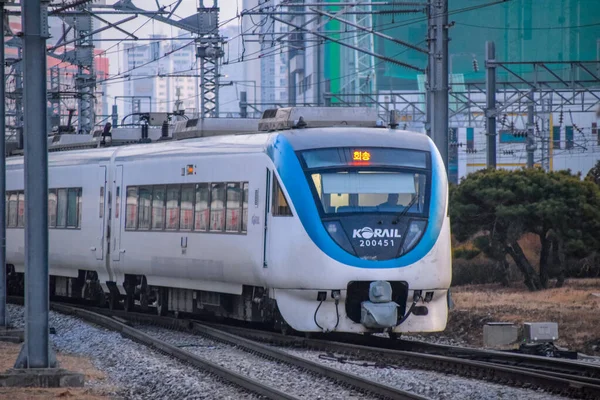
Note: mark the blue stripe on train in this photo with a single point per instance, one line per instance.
(293, 179)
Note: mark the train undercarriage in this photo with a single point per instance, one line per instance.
(253, 305)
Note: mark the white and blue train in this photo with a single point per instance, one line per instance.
(315, 228)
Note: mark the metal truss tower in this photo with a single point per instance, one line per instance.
(209, 43)
(54, 98)
(76, 46)
(360, 73)
(14, 91)
(209, 51)
(83, 57)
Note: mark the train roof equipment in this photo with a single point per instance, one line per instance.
(318, 117)
(199, 127)
(157, 126)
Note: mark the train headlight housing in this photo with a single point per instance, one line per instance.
(334, 228)
(413, 235)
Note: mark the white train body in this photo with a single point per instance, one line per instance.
(254, 261)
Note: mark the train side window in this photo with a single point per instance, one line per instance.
(21, 208)
(101, 211)
(202, 210)
(173, 208)
(217, 207)
(72, 208)
(186, 218)
(280, 207)
(52, 208)
(233, 210)
(245, 207)
(132, 208)
(145, 208)
(12, 210)
(61, 209)
(117, 201)
(158, 208)
(79, 206)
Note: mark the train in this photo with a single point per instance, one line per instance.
(319, 221)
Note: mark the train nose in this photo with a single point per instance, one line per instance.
(380, 311)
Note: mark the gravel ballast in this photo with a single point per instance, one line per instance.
(288, 379)
(137, 371)
(434, 385)
(140, 373)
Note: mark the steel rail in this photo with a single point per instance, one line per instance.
(318, 368)
(528, 361)
(573, 382)
(220, 335)
(578, 380)
(166, 348)
(557, 365)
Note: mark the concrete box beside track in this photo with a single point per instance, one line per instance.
(499, 334)
(540, 331)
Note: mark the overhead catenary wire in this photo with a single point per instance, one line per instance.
(260, 54)
(243, 59)
(541, 28)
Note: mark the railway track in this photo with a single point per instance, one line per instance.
(121, 322)
(547, 364)
(564, 377)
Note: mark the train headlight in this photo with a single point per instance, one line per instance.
(334, 228)
(413, 235)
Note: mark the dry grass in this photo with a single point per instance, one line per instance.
(8, 355)
(574, 307)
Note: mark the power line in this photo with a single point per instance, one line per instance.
(529, 29)
(167, 53)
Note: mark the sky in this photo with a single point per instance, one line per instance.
(144, 27)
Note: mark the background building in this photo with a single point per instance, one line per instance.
(163, 76)
(61, 75)
(326, 72)
(265, 59)
(232, 80)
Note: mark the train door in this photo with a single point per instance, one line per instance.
(102, 213)
(267, 219)
(118, 194)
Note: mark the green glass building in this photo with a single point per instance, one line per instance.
(523, 30)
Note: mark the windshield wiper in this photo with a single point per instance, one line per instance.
(406, 209)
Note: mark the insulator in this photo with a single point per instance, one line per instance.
(475, 65)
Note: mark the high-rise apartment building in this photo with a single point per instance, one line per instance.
(265, 58)
(163, 75)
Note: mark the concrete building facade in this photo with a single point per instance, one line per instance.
(163, 76)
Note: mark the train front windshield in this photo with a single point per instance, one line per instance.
(372, 180)
(373, 202)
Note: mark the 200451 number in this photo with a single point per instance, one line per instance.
(375, 242)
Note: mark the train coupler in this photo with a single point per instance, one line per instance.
(380, 311)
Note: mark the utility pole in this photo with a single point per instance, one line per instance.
(3, 316)
(19, 96)
(36, 351)
(243, 105)
(530, 147)
(490, 110)
(437, 101)
(546, 132)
